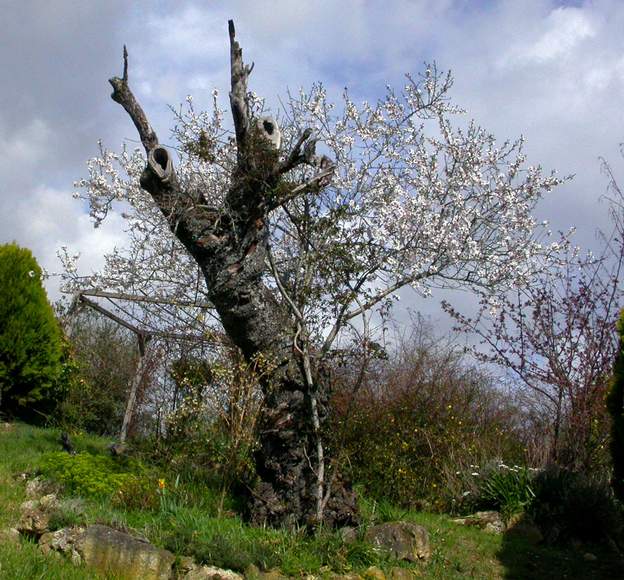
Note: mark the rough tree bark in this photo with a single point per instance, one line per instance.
(231, 246)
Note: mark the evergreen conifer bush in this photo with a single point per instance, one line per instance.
(30, 337)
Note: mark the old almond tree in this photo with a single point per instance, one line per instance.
(298, 232)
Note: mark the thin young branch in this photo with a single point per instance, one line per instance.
(346, 315)
(283, 292)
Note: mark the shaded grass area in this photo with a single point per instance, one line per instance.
(522, 560)
(191, 518)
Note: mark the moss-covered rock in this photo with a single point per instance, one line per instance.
(401, 540)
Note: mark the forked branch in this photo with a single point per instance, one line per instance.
(304, 151)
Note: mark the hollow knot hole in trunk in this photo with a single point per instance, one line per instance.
(161, 157)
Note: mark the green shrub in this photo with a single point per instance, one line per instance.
(615, 405)
(137, 493)
(204, 440)
(570, 505)
(433, 414)
(30, 338)
(101, 361)
(90, 475)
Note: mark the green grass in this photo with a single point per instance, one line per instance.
(21, 450)
(190, 518)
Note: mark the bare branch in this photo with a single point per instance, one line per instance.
(135, 298)
(238, 94)
(295, 158)
(123, 95)
(125, 59)
(319, 180)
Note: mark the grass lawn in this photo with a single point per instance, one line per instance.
(189, 518)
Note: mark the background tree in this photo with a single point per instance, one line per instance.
(30, 338)
(556, 337)
(105, 355)
(295, 248)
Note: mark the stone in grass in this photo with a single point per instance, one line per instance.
(212, 573)
(348, 534)
(111, 551)
(190, 570)
(35, 518)
(254, 573)
(64, 541)
(374, 573)
(404, 573)
(38, 487)
(523, 526)
(489, 521)
(401, 540)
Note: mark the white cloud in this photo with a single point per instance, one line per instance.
(188, 33)
(562, 32)
(553, 73)
(50, 218)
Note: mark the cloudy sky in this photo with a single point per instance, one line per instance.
(550, 70)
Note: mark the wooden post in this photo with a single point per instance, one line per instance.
(73, 310)
(136, 381)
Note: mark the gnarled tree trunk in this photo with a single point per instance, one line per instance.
(230, 245)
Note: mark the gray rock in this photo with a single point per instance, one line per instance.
(35, 517)
(64, 541)
(252, 572)
(211, 573)
(348, 534)
(37, 487)
(404, 573)
(48, 502)
(489, 521)
(29, 504)
(523, 526)
(111, 551)
(402, 540)
(374, 573)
